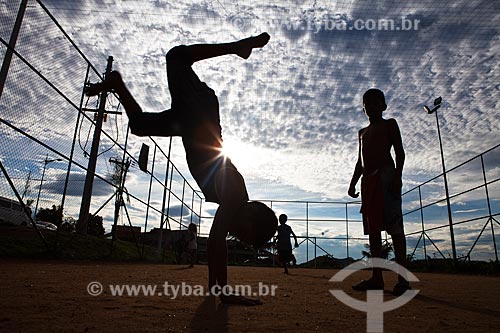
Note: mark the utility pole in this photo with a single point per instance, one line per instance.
(27, 185)
(81, 226)
(122, 175)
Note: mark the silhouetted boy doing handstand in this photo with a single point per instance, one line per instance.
(194, 115)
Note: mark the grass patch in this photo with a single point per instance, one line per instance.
(427, 266)
(461, 266)
(27, 244)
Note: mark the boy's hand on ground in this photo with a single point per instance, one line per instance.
(352, 192)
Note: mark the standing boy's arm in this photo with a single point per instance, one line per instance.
(397, 143)
(358, 171)
(295, 237)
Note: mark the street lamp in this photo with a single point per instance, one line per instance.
(437, 105)
(45, 162)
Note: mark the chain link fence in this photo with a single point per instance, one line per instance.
(47, 128)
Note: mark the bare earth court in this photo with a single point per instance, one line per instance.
(40, 296)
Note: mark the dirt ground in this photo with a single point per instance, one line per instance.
(40, 296)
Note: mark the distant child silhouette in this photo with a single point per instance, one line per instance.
(380, 186)
(194, 115)
(284, 246)
(192, 245)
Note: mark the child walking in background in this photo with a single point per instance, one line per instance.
(192, 245)
(284, 245)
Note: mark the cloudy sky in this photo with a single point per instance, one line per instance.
(291, 112)
(294, 107)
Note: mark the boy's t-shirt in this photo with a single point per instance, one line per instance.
(192, 244)
(284, 233)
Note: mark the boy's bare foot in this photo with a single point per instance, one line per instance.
(244, 47)
(401, 287)
(370, 284)
(111, 82)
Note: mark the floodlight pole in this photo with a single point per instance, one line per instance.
(45, 162)
(81, 226)
(450, 220)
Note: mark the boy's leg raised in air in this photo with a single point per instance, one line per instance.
(113, 82)
(183, 82)
(167, 123)
(164, 123)
(242, 48)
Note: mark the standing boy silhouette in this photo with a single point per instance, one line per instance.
(380, 186)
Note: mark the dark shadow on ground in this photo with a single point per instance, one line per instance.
(210, 316)
(454, 304)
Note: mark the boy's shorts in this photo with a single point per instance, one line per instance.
(285, 256)
(376, 194)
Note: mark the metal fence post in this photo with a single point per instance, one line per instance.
(489, 209)
(315, 259)
(182, 203)
(347, 230)
(164, 221)
(149, 195)
(422, 221)
(192, 207)
(12, 44)
(307, 231)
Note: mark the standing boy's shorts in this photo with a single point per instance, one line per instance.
(285, 256)
(381, 207)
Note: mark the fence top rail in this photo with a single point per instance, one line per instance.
(311, 202)
(454, 168)
(450, 197)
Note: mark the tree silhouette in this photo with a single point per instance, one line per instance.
(95, 226)
(386, 250)
(52, 215)
(68, 225)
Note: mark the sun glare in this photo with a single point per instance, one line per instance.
(239, 152)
